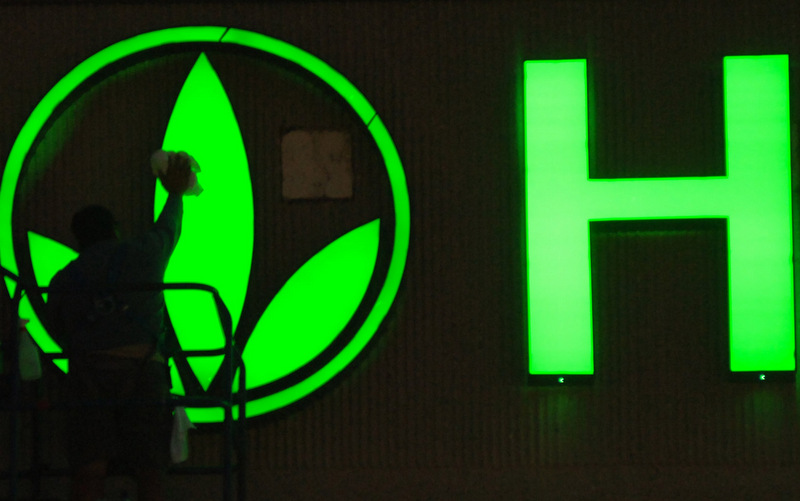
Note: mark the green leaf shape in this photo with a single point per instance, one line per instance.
(313, 307)
(48, 256)
(216, 244)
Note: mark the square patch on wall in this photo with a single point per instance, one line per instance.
(316, 164)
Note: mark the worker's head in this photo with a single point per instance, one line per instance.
(93, 224)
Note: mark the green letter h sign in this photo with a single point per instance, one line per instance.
(754, 197)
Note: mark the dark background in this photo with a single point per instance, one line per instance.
(440, 408)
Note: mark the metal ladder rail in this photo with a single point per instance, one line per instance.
(234, 441)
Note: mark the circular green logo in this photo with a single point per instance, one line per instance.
(304, 305)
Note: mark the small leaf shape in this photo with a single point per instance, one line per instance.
(216, 244)
(313, 307)
(47, 257)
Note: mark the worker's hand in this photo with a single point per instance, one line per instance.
(176, 179)
(177, 172)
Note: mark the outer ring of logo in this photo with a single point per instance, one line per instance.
(273, 47)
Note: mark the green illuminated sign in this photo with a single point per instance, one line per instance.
(754, 197)
(289, 353)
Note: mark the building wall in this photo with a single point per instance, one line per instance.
(439, 408)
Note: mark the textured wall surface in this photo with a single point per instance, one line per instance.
(439, 407)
